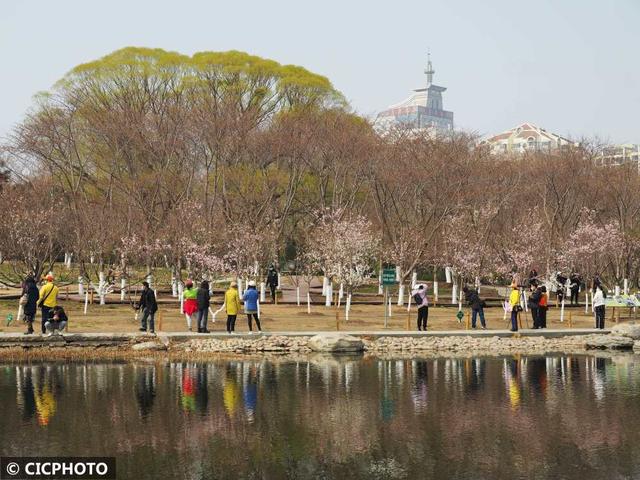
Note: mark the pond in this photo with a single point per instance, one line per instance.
(516, 417)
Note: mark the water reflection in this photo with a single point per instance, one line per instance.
(552, 417)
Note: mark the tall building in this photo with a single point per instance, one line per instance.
(526, 137)
(422, 110)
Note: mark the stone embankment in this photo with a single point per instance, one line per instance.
(622, 337)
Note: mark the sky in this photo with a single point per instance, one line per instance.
(570, 66)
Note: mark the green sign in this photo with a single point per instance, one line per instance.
(388, 276)
(459, 315)
(9, 319)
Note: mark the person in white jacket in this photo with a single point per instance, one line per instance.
(598, 304)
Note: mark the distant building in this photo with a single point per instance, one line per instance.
(616, 155)
(526, 138)
(422, 110)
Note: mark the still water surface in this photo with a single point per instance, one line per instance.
(518, 417)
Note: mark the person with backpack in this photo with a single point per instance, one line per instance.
(47, 299)
(574, 287)
(477, 306)
(190, 306)
(543, 306)
(420, 297)
(204, 301)
(599, 296)
(29, 302)
(57, 321)
(149, 307)
(250, 299)
(534, 305)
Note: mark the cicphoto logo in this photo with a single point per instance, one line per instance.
(58, 467)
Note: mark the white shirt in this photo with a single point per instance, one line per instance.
(598, 298)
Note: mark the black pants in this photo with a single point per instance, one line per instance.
(599, 316)
(203, 317)
(45, 317)
(231, 323)
(272, 287)
(535, 315)
(542, 317)
(574, 297)
(423, 315)
(255, 315)
(514, 320)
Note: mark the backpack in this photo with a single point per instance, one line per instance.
(417, 298)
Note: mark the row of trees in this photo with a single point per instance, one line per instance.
(222, 163)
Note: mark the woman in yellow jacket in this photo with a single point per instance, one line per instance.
(514, 302)
(232, 305)
(48, 299)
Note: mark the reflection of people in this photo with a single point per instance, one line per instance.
(230, 393)
(250, 396)
(202, 390)
(537, 372)
(27, 399)
(419, 387)
(513, 383)
(145, 390)
(188, 395)
(598, 304)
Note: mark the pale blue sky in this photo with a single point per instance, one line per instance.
(570, 66)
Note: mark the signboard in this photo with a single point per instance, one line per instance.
(388, 276)
(622, 301)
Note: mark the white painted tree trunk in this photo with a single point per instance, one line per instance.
(414, 280)
(617, 290)
(347, 307)
(562, 309)
(262, 293)
(19, 314)
(454, 294)
(325, 285)
(460, 300)
(102, 287)
(174, 285)
(380, 287)
(258, 305)
(80, 285)
(477, 284)
(327, 299)
(308, 303)
(523, 301)
(341, 291)
(586, 301)
(389, 307)
(298, 295)
(240, 291)
(278, 287)
(181, 295)
(123, 288)
(401, 295)
(447, 274)
(86, 301)
(626, 287)
(398, 273)
(435, 290)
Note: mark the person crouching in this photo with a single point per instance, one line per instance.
(57, 321)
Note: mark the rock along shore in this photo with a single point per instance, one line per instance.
(622, 337)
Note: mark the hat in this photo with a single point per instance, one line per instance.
(234, 284)
(49, 278)
(251, 283)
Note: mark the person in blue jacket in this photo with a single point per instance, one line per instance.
(250, 299)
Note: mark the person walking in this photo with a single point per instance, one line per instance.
(29, 302)
(190, 306)
(250, 299)
(543, 306)
(232, 306)
(272, 282)
(598, 304)
(149, 307)
(574, 287)
(422, 301)
(57, 321)
(534, 305)
(477, 306)
(561, 282)
(47, 299)
(204, 301)
(514, 302)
